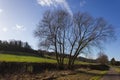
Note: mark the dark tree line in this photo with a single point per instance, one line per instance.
(17, 46)
(114, 62)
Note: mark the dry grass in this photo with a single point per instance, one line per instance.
(117, 69)
(78, 76)
(81, 74)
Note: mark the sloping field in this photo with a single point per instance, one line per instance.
(17, 58)
(6, 57)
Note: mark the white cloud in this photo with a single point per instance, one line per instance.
(82, 3)
(19, 28)
(1, 10)
(45, 2)
(4, 29)
(55, 3)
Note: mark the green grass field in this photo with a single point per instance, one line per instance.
(17, 58)
(20, 58)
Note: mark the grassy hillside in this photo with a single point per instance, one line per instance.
(17, 58)
(23, 58)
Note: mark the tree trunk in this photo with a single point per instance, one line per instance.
(70, 63)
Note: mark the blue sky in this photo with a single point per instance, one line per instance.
(19, 18)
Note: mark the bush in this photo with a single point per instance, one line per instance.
(99, 67)
(21, 67)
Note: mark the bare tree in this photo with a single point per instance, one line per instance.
(102, 58)
(71, 34)
(88, 32)
(52, 32)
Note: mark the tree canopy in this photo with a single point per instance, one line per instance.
(76, 34)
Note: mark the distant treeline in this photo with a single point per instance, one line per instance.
(16, 46)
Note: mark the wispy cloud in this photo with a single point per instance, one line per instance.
(1, 10)
(82, 3)
(4, 29)
(19, 28)
(55, 3)
(45, 2)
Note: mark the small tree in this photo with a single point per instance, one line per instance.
(102, 58)
(113, 61)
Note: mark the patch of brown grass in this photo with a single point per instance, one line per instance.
(80, 74)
